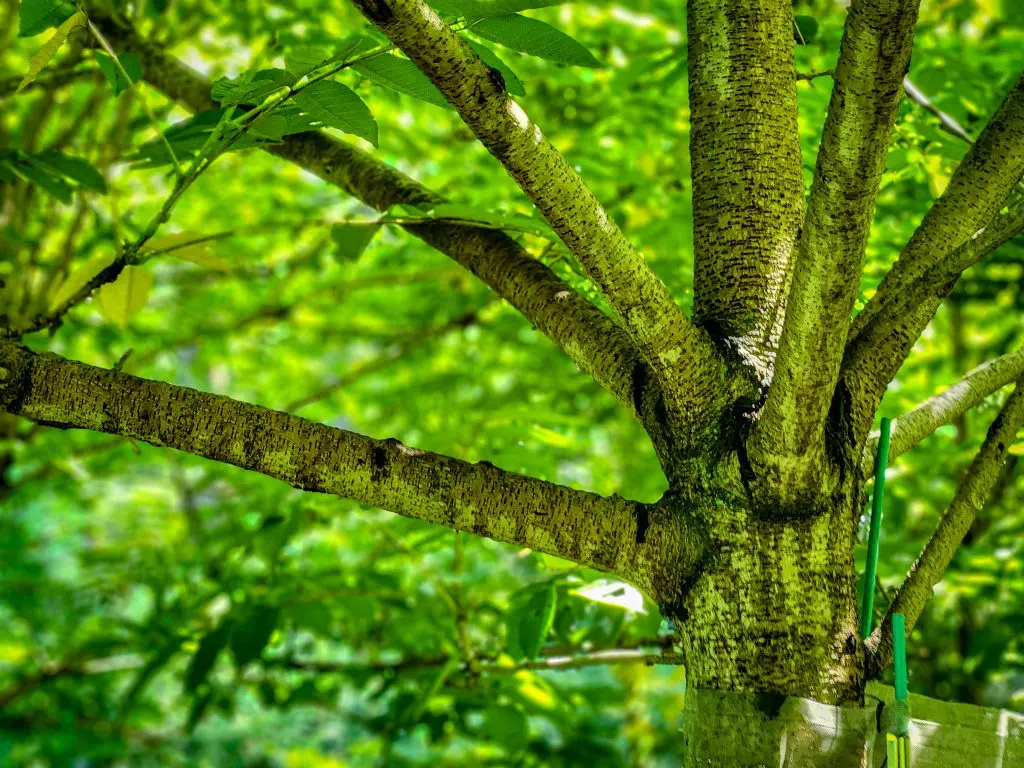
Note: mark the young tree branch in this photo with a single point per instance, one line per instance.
(873, 357)
(646, 544)
(927, 571)
(944, 408)
(682, 356)
(978, 189)
(748, 185)
(591, 339)
(788, 442)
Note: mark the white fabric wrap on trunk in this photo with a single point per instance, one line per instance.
(733, 730)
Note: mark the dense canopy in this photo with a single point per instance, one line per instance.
(157, 608)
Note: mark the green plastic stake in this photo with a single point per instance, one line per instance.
(899, 655)
(867, 601)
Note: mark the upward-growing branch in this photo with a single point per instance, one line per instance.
(584, 333)
(788, 442)
(647, 544)
(748, 185)
(926, 572)
(682, 357)
(959, 230)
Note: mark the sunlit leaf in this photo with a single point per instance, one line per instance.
(184, 246)
(126, 296)
(50, 47)
(78, 278)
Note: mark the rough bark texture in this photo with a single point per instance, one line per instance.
(583, 332)
(788, 445)
(750, 553)
(746, 168)
(613, 534)
(774, 606)
(681, 356)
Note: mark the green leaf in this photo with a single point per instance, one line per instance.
(529, 621)
(206, 656)
(534, 38)
(512, 82)
(182, 245)
(251, 90)
(50, 48)
(507, 726)
(337, 106)
(251, 635)
(79, 277)
(805, 29)
(188, 136)
(482, 9)
(35, 16)
(403, 76)
(42, 178)
(315, 617)
(351, 239)
(77, 169)
(304, 59)
(131, 64)
(126, 296)
(613, 592)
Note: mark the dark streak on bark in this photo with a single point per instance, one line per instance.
(643, 522)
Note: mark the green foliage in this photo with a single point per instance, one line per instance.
(147, 560)
(535, 38)
(131, 65)
(401, 75)
(530, 618)
(337, 106)
(35, 16)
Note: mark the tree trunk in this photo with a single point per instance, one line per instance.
(746, 730)
(770, 633)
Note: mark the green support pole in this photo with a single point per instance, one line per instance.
(867, 602)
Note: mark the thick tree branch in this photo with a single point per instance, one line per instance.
(927, 571)
(646, 544)
(944, 408)
(788, 442)
(748, 186)
(591, 339)
(978, 189)
(682, 356)
(875, 355)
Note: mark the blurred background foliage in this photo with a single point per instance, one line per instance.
(158, 609)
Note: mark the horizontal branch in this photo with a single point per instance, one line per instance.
(930, 566)
(590, 338)
(645, 544)
(788, 441)
(944, 408)
(682, 356)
